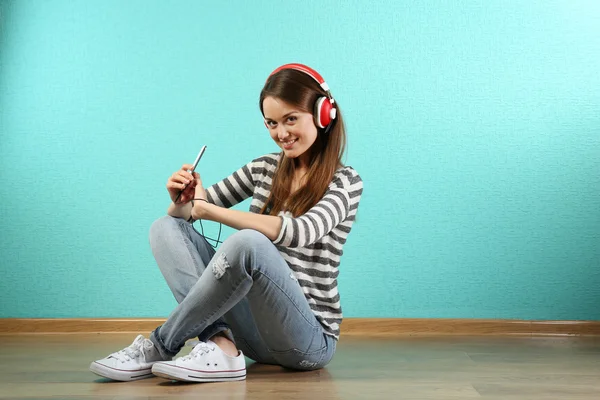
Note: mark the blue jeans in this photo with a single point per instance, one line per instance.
(245, 290)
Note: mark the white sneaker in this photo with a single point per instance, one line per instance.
(205, 363)
(132, 363)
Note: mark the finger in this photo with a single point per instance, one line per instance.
(186, 167)
(176, 182)
(185, 175)
(176, 185)
(173, 185)
(192, 185)
(182, 177)
(177, 178)
(190, 189)
(197, 178)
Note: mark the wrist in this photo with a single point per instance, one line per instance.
(179, 210)
(200, 208)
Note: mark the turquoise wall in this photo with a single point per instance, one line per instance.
(475, 126)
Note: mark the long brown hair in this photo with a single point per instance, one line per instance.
(301, 91)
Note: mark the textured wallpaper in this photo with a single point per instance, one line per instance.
(474, 125)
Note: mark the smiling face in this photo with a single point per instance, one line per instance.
(292, 129)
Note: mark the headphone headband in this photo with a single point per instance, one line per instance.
(308, 71)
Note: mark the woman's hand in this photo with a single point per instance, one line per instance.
(182, 184)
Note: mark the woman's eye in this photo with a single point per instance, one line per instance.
(272, 124)
(292, 119)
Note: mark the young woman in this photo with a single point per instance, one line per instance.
(270, 291)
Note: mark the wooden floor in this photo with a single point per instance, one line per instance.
(39, 366)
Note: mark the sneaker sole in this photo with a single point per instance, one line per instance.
(189, 375)
(119, 374)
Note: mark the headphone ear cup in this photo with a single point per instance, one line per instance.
(323, 113)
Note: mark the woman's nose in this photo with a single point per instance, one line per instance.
(282, 133)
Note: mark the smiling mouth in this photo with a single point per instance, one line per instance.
(288, 143)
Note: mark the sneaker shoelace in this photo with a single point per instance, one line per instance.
(130, 352)
(199, 350)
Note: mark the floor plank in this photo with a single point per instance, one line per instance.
(41, 366)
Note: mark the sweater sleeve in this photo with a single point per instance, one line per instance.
(234, 189)
(322, 218)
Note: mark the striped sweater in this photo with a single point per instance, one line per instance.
(312, 243)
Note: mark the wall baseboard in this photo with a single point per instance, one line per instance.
(350, 326)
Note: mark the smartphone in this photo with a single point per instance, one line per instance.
(202, 150)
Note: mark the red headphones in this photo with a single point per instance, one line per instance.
(325, 111)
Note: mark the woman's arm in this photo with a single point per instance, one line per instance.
(201, 208)
(268, 225)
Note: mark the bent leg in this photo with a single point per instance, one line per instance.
(274, 323)
(182, 255)
(180, 252)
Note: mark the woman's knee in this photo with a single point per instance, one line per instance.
(162, 228)
(242, 250)
(248, 244)
(248, 239)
